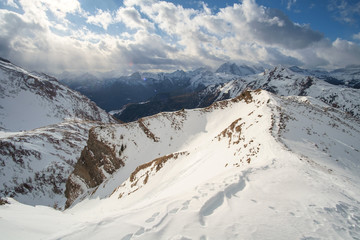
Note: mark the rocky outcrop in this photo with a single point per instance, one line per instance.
(35, 165)
(97, 160)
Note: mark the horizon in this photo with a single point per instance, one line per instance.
(164, 36)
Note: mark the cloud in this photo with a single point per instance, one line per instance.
(356, 36)
(268, 26)
(290, 4)
(17, 35)
(160, 35)
(340, 52)
(102, 19)
(11, 3)
(132, 19)
(345, 11)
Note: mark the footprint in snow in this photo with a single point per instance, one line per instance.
(175, 210)
(185, 205)
(152, 217)
(127, 237)
(140, 231)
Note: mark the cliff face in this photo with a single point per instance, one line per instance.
(96, 162)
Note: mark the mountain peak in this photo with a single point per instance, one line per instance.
(234, 69)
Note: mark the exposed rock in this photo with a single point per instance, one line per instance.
(97, 159)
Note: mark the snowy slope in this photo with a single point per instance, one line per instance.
(255, 167)
(31, 100)
(34, 165)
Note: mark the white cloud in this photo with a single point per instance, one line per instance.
(290, 4)
(356, 36)
(11, 3)
(60, 8)
(341, 53)
(102, 19)
(132, 19)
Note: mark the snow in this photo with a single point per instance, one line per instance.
(290, 189)
(30, 101)
(42, 159)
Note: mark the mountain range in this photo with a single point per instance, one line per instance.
(268, 154)
(280, 80)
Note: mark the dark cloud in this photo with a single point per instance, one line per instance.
(286, 33)
(13, 31)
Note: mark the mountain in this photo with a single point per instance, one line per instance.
(252, 167)
(32, 100)
(80, 82)
(140, 87)
(242, 70)
(279, 80)
(165, 102)
(285, 82)
(348, 76)
(44, 128)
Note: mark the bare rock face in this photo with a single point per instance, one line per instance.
(97, 160)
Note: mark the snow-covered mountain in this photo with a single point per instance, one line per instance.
(112, 94)
(32, 100)
(240, 70)
(280, 80)
(285, 82)
(35, 163)
(348, 76)
(253, 167)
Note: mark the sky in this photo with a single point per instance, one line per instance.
(54, 36)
